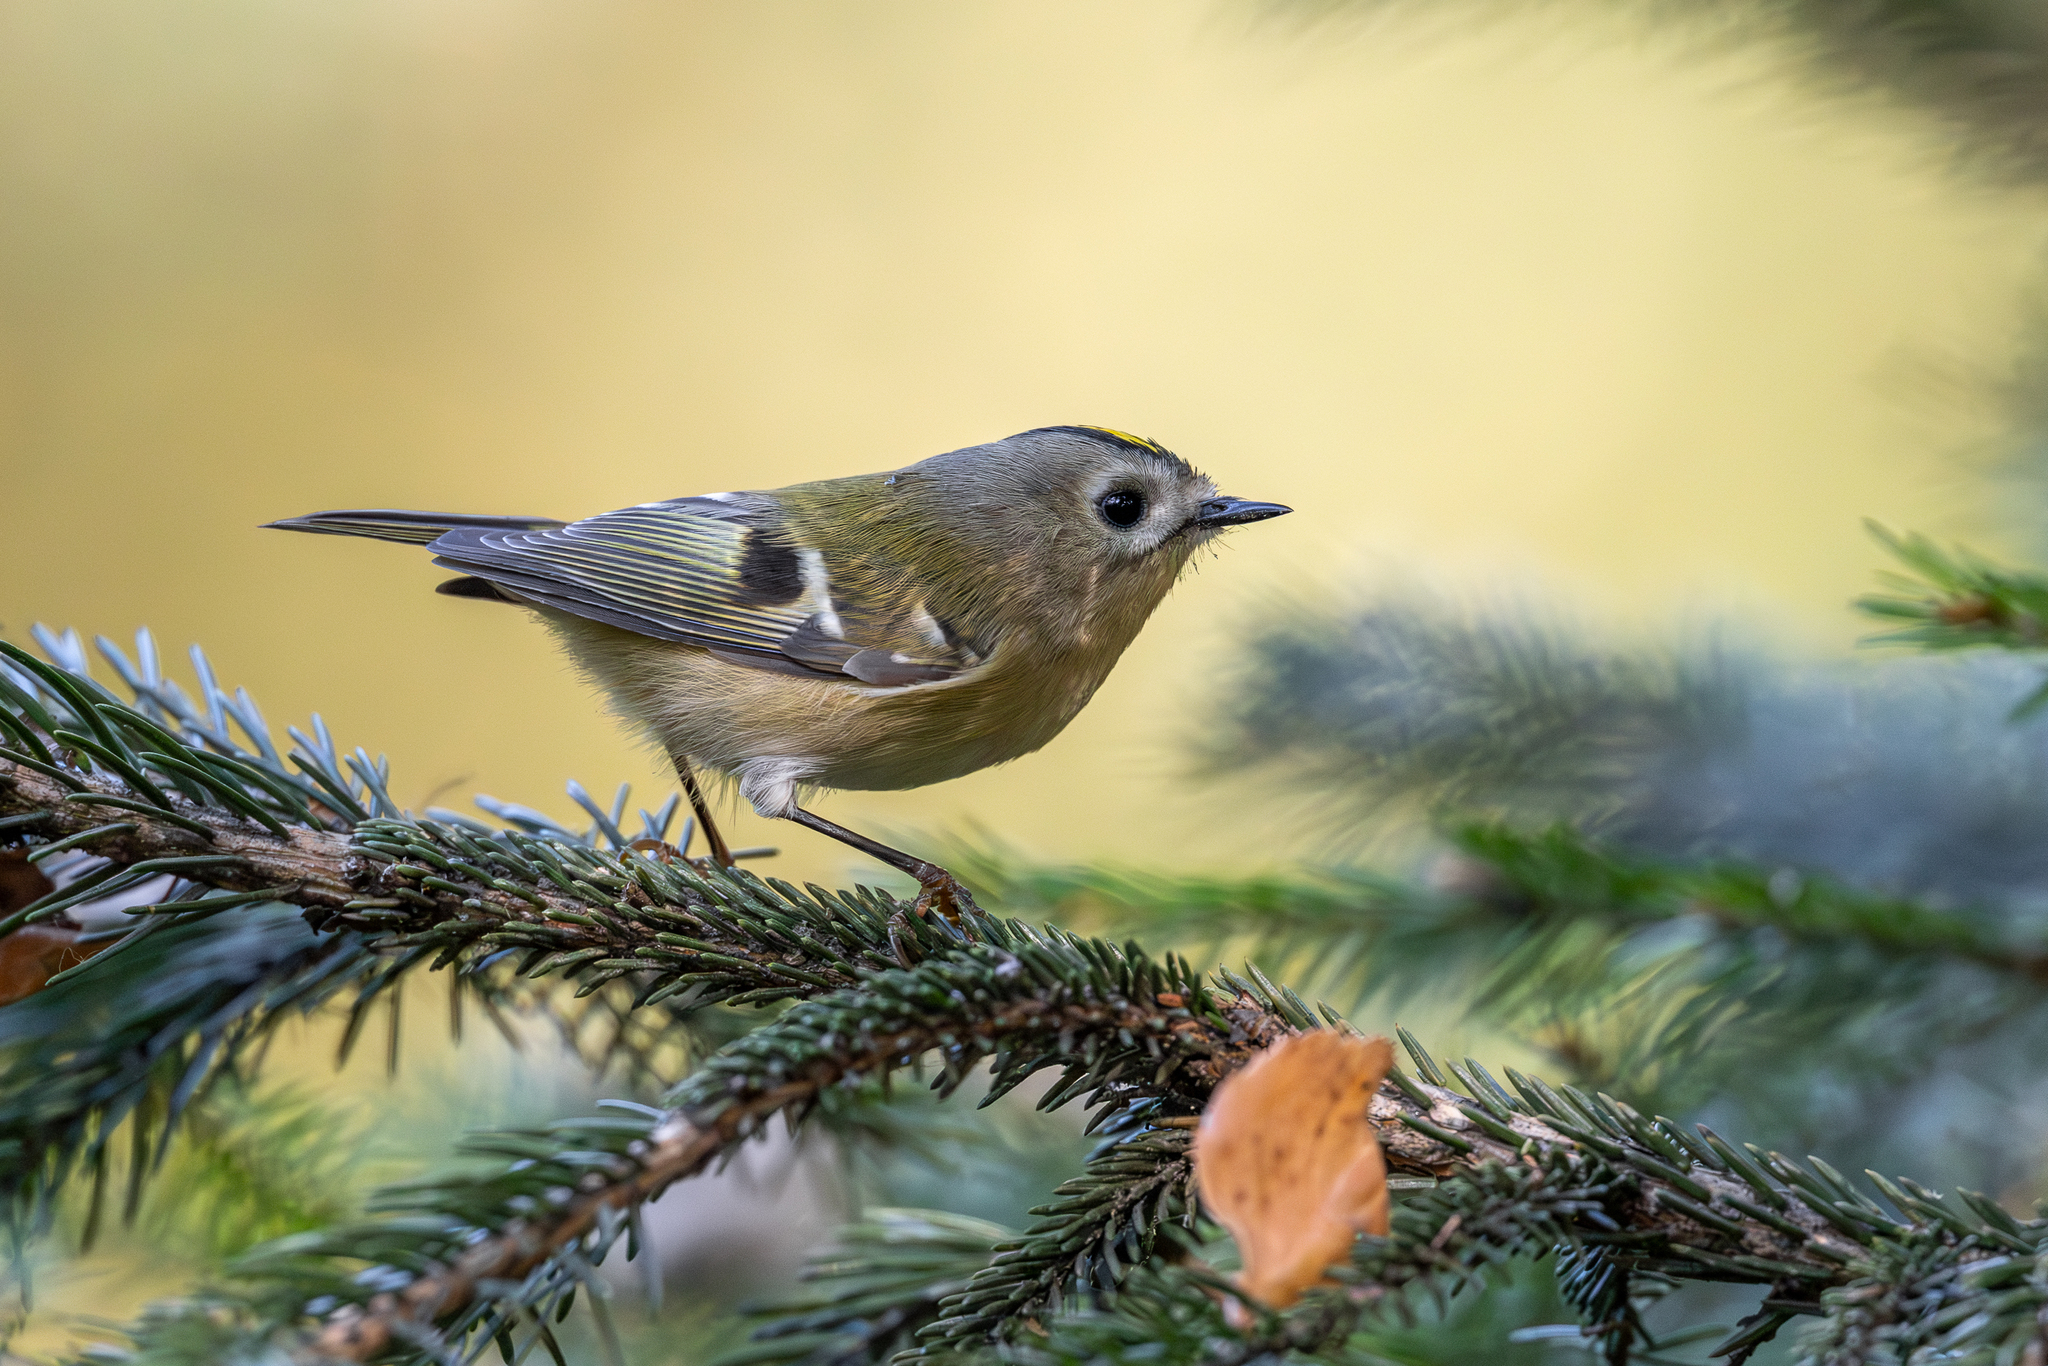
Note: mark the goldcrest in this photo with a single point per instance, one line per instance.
(880, 631)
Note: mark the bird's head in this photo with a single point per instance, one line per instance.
(1085, 525)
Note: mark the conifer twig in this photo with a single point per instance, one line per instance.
(1520, 1171)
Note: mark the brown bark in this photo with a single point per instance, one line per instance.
(312, 861)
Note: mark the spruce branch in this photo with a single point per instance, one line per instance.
(1501, 885)
(180, 997)
(1635, 971)
(77, 1064)
(422, 887)
(864, 1298)
(1024, 998)
(1916, 1298)
(1545, 1167)
(1958, 600)
(1412, 706)
(1444, 1240)
(1137, 1193)
(600, 1185)
(1618, 1199)
(360, 893)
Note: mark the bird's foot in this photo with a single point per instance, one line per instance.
(661, 851)
(940, 893)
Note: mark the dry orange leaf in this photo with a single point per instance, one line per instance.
(21, 882)
(33, 954)
(1289, 1163)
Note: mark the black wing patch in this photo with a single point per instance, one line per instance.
(770, 571)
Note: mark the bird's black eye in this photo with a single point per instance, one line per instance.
(1122, 508)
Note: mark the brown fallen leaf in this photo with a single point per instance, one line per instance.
(1289, 1163)
(33, 954)
(21, 882)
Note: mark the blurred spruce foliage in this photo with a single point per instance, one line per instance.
(1976, 71)
(1656, 866)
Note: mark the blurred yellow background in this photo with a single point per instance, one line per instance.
(1532, 305)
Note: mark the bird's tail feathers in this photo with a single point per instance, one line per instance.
(408, 528)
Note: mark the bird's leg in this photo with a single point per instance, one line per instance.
(720, 854)
(939, 890)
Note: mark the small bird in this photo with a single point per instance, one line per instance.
(875, 632)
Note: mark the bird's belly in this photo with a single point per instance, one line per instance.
(931, 733)
(916, 755)
(846, 735)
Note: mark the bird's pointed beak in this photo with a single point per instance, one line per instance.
(1222, 512)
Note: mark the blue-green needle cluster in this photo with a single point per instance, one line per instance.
(324, 892)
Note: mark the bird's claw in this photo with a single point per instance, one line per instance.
(940, 891)
(939, 894)
(661, 851)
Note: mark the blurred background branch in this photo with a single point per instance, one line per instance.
(1975, 70)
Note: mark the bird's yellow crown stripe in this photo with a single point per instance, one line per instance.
(1152, 446)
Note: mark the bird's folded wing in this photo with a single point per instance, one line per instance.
(716, 572)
